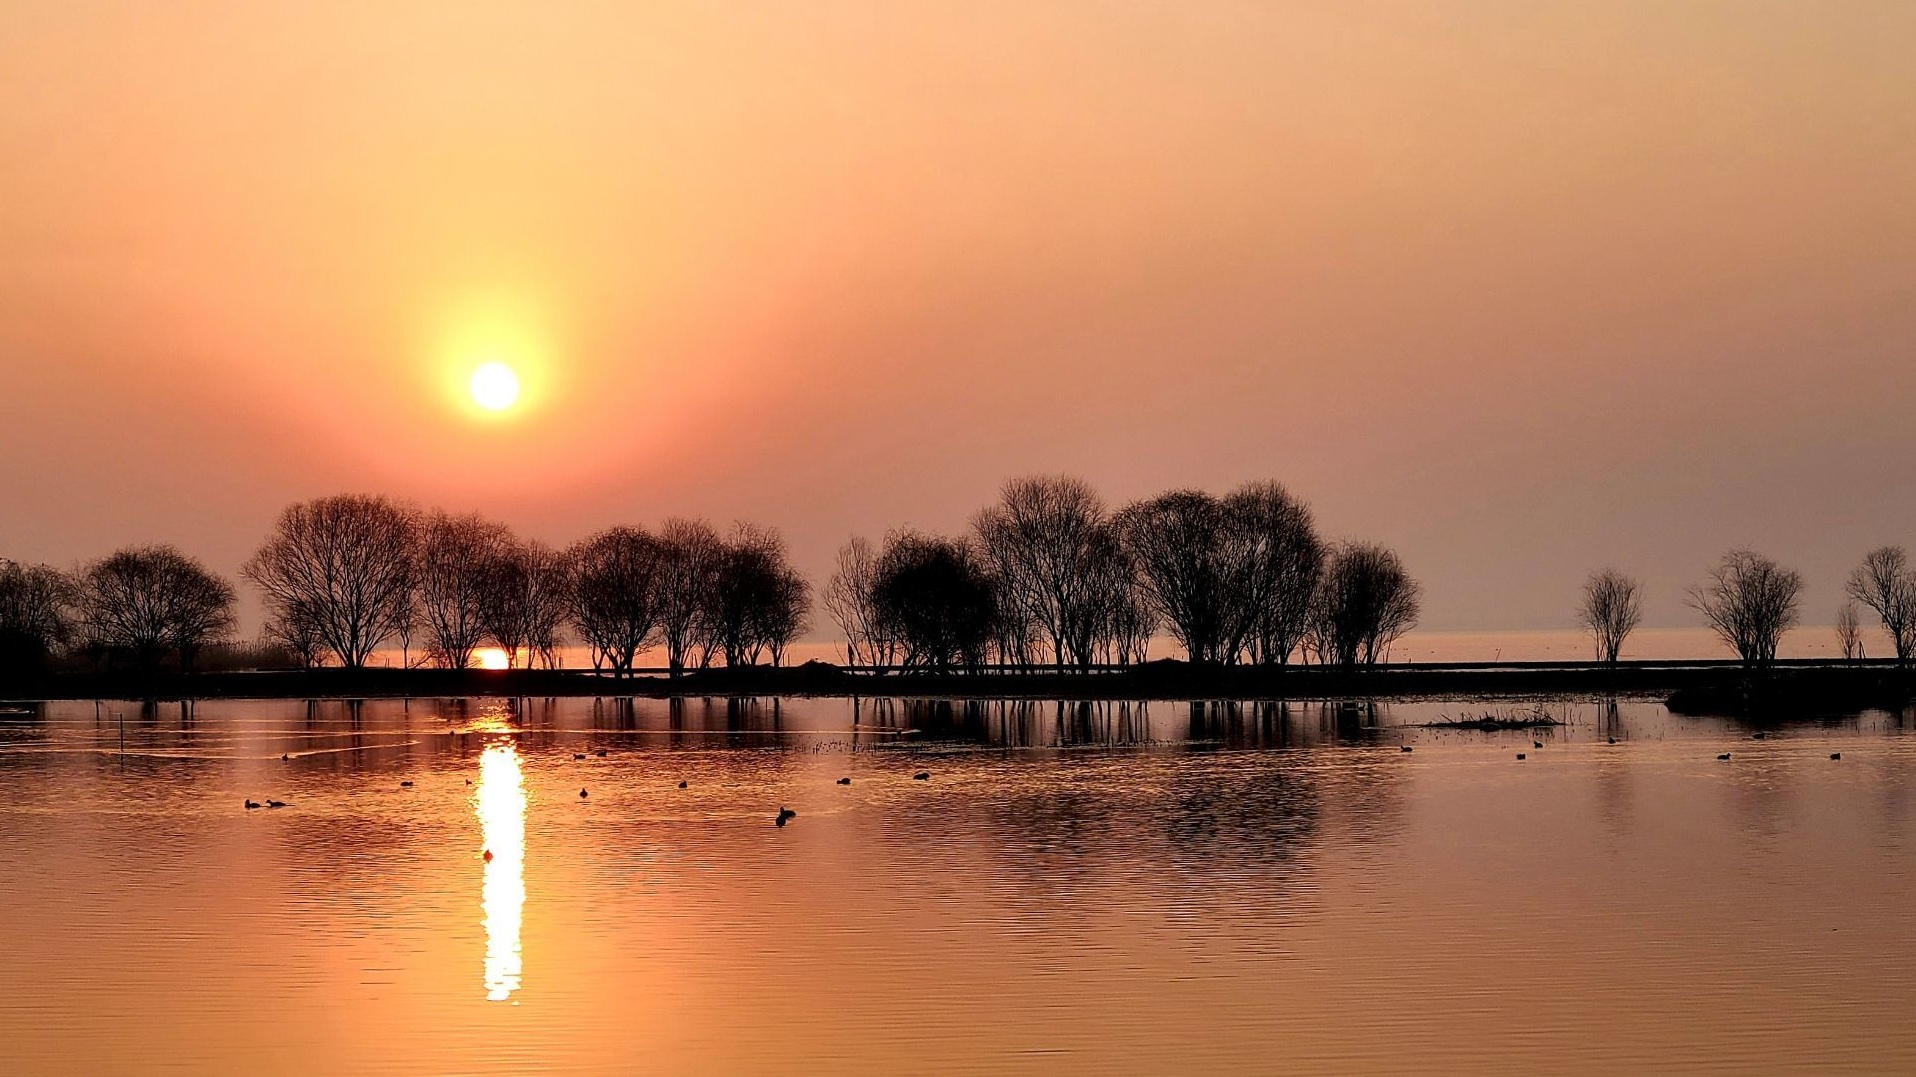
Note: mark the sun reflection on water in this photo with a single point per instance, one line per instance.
(500, 803)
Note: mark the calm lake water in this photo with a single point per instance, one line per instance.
(1109, 888)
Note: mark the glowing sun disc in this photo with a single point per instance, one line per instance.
(494, 387)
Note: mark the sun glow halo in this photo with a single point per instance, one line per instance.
(494, 386)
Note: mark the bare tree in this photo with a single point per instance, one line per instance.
(36, 605)
(750, 601)
(150, 600)
(784, 615)
(1611, 610)
(454, 555)
(848, 599)
(689, 558)
(298, 633)
(1849, 632)
(1365, 602)
(936, 596)
(1750, 601)
(1283, 560)
(524, 601)
(346, 563)
(1885, 583)
(1045, 539)
(1187, 555)
(614, 587)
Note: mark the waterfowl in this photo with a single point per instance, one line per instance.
(785, 815)
(600, 753)
(1722, 757)
(1613, 740)
(1836, 755)
(1520, 755)
(581, 794)
(271, 803)
(922, 776)
(681, 785)
(1403, 747)
(1756, 736)
(578, 755)
(251, 804)
(844, 781)
(1536, 744)
(405, 785)
(283, 757)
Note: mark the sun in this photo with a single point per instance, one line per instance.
(494, 386)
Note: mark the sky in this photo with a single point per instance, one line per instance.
(1519, 289)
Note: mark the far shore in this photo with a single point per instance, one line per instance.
(1805, 687)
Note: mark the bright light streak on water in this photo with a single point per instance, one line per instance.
(499, 800)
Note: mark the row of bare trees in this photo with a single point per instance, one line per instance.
(141, 606)
(1049, 575)
(1750, 601)
(344, 576)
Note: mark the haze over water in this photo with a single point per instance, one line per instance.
(1113, 888)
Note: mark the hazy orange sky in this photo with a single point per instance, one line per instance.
(1519, 288)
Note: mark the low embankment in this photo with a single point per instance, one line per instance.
(1802, 687)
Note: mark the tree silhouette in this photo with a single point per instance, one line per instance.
(1365, 601)
(455, 557)
(848, 598)
(36, 616)
(1284, 559)
(1849, 632)
(1750, 601)
(524, 600)
(936, 597)
(614, 584)
(1610, 611)
(147, 601)
(1885, 583)
(1049, 541)
(1187, 556)
(344, 564)
(689, 553)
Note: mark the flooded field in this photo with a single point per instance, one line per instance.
(470, 886)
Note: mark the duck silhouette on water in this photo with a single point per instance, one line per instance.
(785, 815)
(922, 776)
(271, 803)
(844, 781)
(251, 804)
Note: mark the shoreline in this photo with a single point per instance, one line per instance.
(1812, 686)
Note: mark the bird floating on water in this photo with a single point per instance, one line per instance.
(271, 803)
(681, 785)
(922, 776)
(1613, 740)
(1520, 755)
(844, 781)
(1756, 736)
(1536, 744)
(405, 785)
(600, 753)
(581, 794)
(1722, 757)
(1836, 755)
(785, 815)
(1403, 747)
(578, 755)
(251, 804)
(283, 757)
